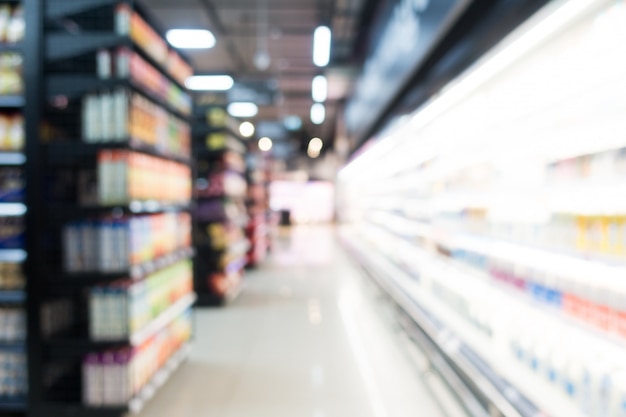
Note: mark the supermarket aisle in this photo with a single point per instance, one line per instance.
(304, 339)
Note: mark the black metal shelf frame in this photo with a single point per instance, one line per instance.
(47, 50)
(78, 85)
(63, 46)
(206, 260)
(77, 153)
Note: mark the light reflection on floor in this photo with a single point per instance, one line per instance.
(305, 339)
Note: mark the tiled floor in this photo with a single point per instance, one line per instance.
(305, 339)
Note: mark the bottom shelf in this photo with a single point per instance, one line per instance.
(214, 300)
(473, 379)
(134, 406)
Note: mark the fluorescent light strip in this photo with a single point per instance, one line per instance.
(190, 38)
(321, 46)
(318, 113)
(319, 89)
(210, 82)
(243, 109)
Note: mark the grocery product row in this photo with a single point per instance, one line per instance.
(95, 194)
(220, 213)
(122, 116)
(11, 74)
(129, 22)
(114, 245)
(576, 363)
(493, 208)
(115, 377)
(119, 310)
(12, 232)
(13, 374)
(11, 132)
(13, 312)
(12, 25)
(124, 176)
(123, 63)
(11, 276)
(12, 185)
(12, 324)
(221, 184)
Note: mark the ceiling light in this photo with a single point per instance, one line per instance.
(243, 109)
(209, 82)
(246, 129)
(321, 46)
(190, 38)
(292, 123)
(318, 113)
(316, 144)
(265, 144)
(315, 147)
(312, 153)
(319, 89)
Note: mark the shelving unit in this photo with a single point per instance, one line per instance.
(257, 202)
(491, 219)
(220, 215)
(100, 233)
(15, 106)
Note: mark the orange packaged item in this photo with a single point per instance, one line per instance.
(148, 39)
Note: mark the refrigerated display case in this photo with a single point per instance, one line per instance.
(494, 215)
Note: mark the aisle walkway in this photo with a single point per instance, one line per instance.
(304, 339)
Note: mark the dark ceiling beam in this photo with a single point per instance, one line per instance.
(219, 27)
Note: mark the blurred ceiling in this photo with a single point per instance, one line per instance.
(248, 31)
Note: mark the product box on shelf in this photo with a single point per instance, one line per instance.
(116, 244)
(121, 116)
(119, 310)
(12, 185)
(221, 210)
(129, 22)
(222, 184)
(114, 377)
(124, 176)
(123, 63)
(222, 141)
(11, 132)
(12, 324)
(13, 375)
(12, 232)
(12, 25)
(11, 69)
(11, 276)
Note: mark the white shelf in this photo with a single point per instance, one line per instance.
(12, 209)
(531, 385)
(12, 158)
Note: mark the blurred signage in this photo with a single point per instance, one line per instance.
(402, 36)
